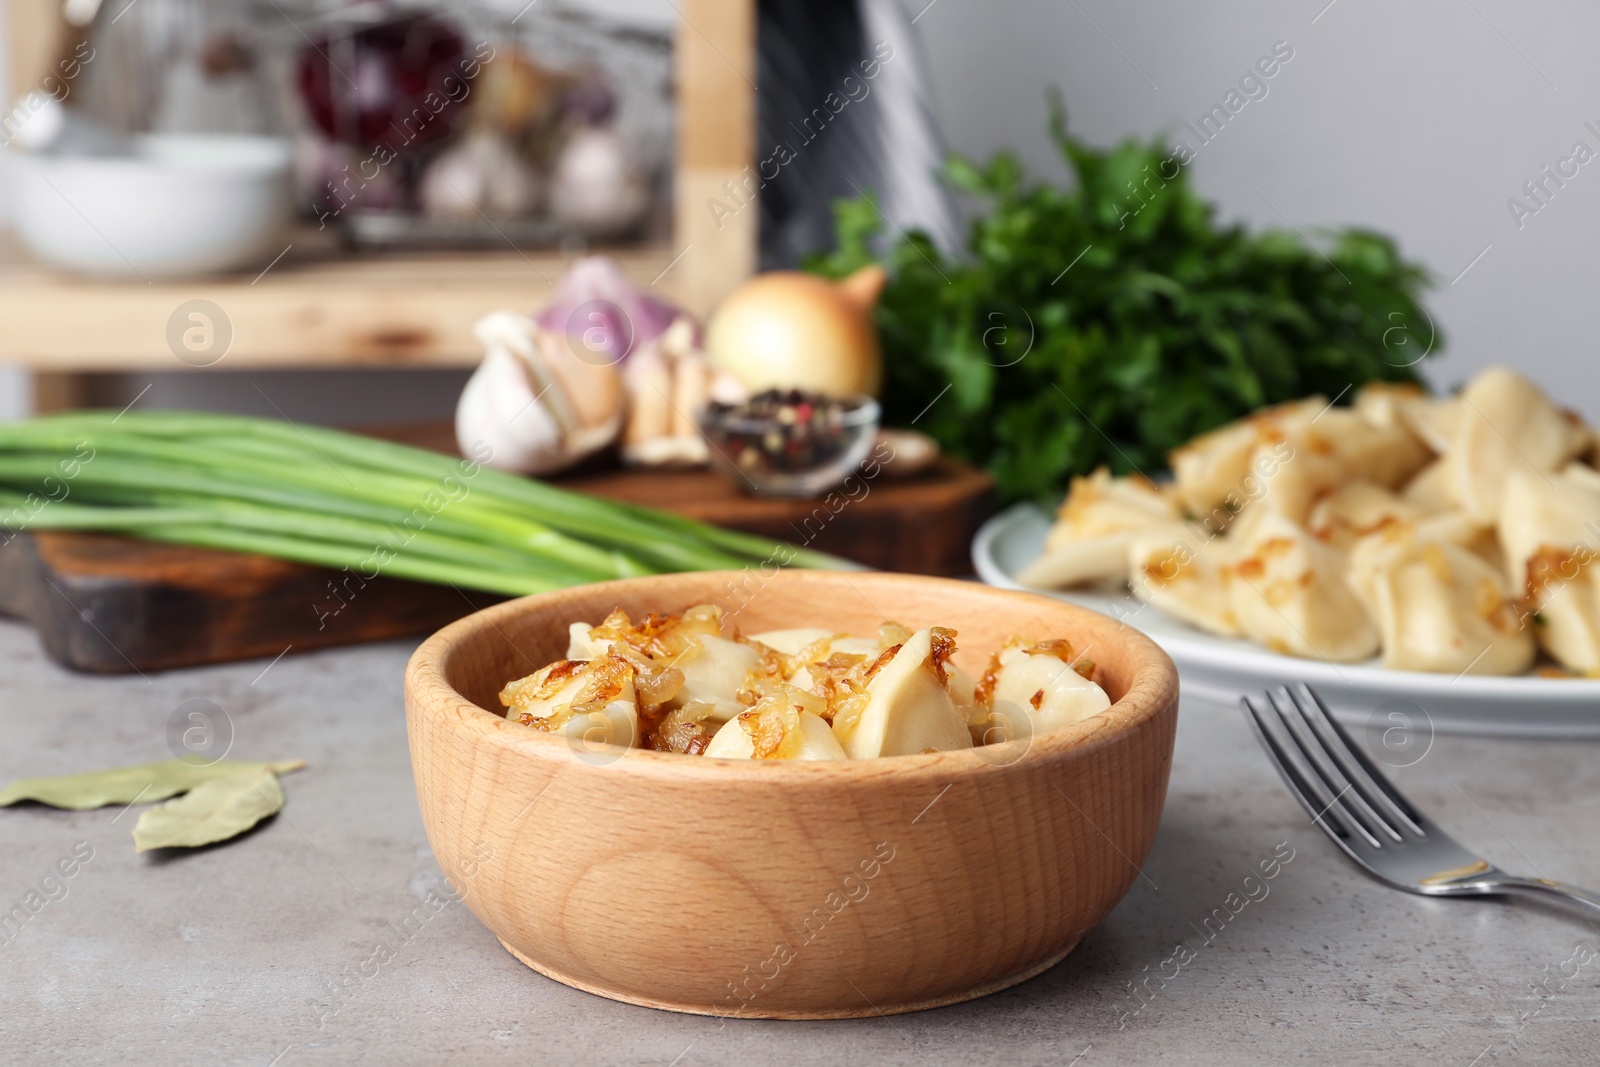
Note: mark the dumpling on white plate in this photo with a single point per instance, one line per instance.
(1356, 509)
(1384, 404)
(1288, 591)
(1550, 528)
(1100, 505)
(1337, 447)
(1564, 593)
(1439, 606)
(1187, 578)
(1384, 455)
(1092, 560)
(908, 709)
(1539, 510)
(1206, 470)
(1088, 542)
(1506, 423)
(1431, 489)
(1433, 420)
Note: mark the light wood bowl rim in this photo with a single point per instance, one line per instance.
(1153, 690)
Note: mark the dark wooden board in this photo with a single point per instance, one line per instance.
(113, 605)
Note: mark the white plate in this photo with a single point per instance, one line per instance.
(1398, 709)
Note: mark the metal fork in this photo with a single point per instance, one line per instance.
(1345, 794)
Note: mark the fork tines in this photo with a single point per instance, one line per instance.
(1334, 780)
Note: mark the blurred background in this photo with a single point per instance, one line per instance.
(1423, 120)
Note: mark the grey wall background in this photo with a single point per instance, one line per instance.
(1421, 119)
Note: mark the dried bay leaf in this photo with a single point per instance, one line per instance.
(129, 785)
(212, 811)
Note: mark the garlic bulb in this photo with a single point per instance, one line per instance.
(483, 175)
(788, 330)
(593, 183)
(533, 402)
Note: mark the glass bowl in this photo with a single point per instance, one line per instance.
(790, 443)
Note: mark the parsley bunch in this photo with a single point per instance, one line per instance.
(1109, 322)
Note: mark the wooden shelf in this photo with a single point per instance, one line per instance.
(316, 307)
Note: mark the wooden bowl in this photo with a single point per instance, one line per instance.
(778, 889)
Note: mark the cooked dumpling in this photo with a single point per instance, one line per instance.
(1564, 592)
(1433, 420)
(1384, 404)
(1549, 527)
(582, 645)
(1430, 488)
(1089, 540)
(1384, 455)
(1188, 581)
(1439, 606)
(1288, 591)
(1096, 559)
(1100, 505)
(1035, 688)
(1538, 511)
(791, 642)
(1355, 510)
(1506, 423)
(714, 670)
(1339, 447)
(908, 709)
(777, 730)
(594, 700)
(1216, 464)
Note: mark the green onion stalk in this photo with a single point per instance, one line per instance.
(340, 500)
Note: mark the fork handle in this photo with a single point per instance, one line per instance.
(1544, 889)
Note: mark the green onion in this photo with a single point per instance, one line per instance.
(340, 500)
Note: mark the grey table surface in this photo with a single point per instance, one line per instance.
(232, 955)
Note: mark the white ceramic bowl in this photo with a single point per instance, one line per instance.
(182, 205)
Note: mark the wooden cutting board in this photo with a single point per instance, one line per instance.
(114, 605)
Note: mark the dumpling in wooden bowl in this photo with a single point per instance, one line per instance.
(1288, 591)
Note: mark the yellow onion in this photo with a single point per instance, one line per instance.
(788, 330)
